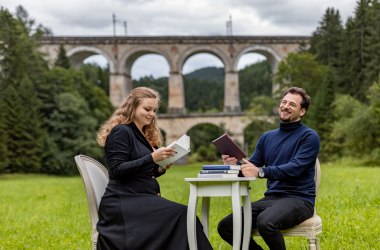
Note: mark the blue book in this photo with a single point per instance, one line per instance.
(220, 167)
(220, 171)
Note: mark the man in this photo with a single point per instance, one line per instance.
(289, 154)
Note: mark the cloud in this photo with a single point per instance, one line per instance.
(180, 17)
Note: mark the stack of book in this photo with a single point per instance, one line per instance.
(219, 171)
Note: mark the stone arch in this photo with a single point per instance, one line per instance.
(220, 54)
(120, 80)
(199, 60)
(128, 58)
(231, 80)
(176, 103)
(77, 55)
(272, 56)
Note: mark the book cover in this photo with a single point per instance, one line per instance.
(220, 167)
(217, 175)
(227, 146)
(181, 146)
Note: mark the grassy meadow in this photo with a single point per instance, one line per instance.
(47, 212)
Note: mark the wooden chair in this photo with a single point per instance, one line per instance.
(95, 179)
(311, 227)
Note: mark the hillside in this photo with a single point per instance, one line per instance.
(212, 74)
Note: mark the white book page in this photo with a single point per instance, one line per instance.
(181, 146)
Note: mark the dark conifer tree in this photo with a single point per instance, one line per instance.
(62, 60)
(3, 137)
(5, 24)
(372, 47)
(349, 61)
(103, 79)
(320, 115)
(354, 58)
(326, 40)
(97, 75)
(24, 139)
(21, 67)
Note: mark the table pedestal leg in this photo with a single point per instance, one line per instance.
(247, 221)
(205, 214)
(236, 214)
(191, 217)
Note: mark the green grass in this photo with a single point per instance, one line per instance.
(45, 212)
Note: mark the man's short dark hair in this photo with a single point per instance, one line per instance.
(306, 99)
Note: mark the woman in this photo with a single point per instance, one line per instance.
(132, 214)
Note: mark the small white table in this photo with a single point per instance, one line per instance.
(235, 187)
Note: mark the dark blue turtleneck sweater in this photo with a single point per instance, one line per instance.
(288, 154)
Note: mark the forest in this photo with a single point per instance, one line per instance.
(49, 114)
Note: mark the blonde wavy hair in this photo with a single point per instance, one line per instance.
(125, 114)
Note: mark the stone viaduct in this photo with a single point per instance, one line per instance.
(122, 52)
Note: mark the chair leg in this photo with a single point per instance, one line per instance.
(312, 244)
(317, 243)
(95, 240)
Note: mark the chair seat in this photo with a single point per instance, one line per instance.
(310, 228)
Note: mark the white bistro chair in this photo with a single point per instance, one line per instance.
(95, 179)
(311, 227)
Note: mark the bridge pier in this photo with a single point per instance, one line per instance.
(176, 102)
(231, 92)
(120, 85)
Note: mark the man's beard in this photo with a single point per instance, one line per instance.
(286, 118)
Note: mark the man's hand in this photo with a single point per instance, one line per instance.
(248, 169)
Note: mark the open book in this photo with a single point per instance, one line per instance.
(181, 146)
(227, 146)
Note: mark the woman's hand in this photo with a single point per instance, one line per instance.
(163, 169)
(162, 154)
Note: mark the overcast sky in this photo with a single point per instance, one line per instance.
(180, 17)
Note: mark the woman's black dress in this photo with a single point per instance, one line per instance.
(132, 214)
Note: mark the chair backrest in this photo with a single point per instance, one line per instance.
(95, 178)
(317, 176)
